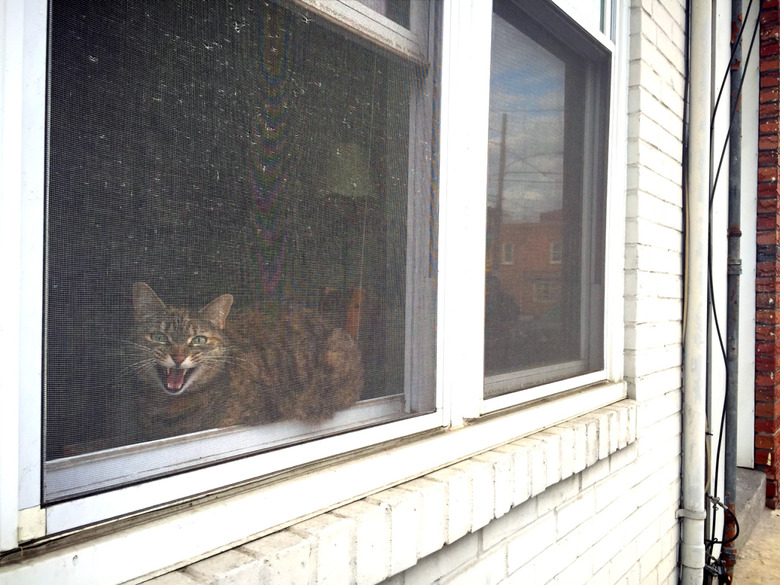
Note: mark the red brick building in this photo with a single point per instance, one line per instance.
(529, 262)
(767, 440)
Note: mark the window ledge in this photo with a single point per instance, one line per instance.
(374, 538)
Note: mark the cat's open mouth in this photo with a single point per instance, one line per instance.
(174, 379)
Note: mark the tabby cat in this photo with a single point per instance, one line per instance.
(202, 370)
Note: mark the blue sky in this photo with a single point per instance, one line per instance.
(527, 84)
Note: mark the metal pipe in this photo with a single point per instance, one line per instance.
(734, 263)
(697, 179)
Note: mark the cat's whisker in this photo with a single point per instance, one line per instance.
(246, 364)
(138, 366)
(136, 345)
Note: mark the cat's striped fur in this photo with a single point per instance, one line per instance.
(207, 369)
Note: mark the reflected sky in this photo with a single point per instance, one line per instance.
(526, 85)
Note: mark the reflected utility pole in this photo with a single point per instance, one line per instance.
(495, 228)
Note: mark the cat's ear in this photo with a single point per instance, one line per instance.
(217, 310)
(145, 301)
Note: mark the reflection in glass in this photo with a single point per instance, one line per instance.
(207, 148)
(395, 10)
(536, 257)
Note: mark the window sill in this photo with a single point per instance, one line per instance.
(374, 538)
(600, 421)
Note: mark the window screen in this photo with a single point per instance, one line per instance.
(545, 201)
(238, 193)
(395, 10)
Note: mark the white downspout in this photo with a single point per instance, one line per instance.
(692, 551)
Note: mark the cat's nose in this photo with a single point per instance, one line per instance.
(178, 359)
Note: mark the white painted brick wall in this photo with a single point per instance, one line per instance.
(458, 503)
(403, 509)
(503, 480)
(433, 567)
(282, 559)
(495, 530)
(653, 307)
(176, 578)
(330, 558)
(525, 546)
(653, 288)
(372, 545)
(482, 490)
(432, 515)
(510, 524)
(228, 568)
(537, 463)
(552, 456)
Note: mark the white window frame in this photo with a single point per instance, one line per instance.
(469, 159)
(80, 475)
(273, 489)
(359, 19)
(591, 301)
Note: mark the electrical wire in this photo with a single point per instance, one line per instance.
(715, 501)
(715, 566)
(714, 186)
(713, 498)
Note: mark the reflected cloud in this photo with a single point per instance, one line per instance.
(526, 126)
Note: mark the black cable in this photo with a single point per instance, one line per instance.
(736, 102)
(727, 75)
(711, 295)
(715, 501)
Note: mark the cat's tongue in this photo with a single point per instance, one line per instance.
(175, 378)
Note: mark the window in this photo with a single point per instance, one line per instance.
(546, 189)
(395, 10)
(238, 196)
(508, 256)
(547, 292)
(303, 157)
(556, 252)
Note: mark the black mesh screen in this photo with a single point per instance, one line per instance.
(545, 198)
(206, 148)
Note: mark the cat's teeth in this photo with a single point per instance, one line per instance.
(174, 378)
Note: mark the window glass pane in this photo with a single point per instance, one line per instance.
(227, 224)
(544, 201)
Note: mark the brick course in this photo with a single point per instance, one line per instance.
(591, 526)
(767, 425)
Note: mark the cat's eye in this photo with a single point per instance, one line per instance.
(198, 340)
(159, 337)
